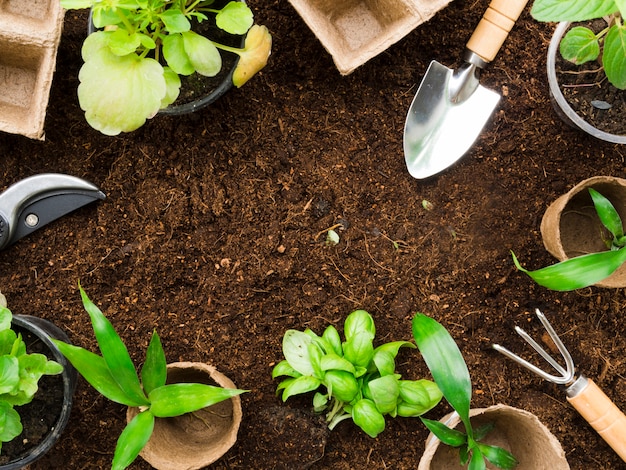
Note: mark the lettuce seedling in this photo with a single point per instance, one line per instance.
(19, 376)
(586, 270)
(358, 381)
(133, 63)
(581, 44)
(451, 375)
(113, 374)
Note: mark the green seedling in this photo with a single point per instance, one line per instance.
(451, 375)
(357, 380)
(19, 376)
(113, 375)
(586, 270)
(133, 63)
(581, 44)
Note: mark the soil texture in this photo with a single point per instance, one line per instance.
(213, 233)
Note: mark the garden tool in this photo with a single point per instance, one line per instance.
(584, 395)
(33, 202)
(450, 107)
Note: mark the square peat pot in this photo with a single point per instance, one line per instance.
(354, 31)
(30, 31)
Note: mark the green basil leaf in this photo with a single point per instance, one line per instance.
(133, 438)
(284, 368)
(571, 10)
(448, 436)
(384, 362)
(154, 370)
(446, 364)
(331, 336)
(384, 392)
(320, 402)
(295, 349)
(366, 416)
(576, 273)
(358, 322)
(315, 356)
(579, 45)
(333, 361)
(180, 398)
(498, 456)
(614, 56)
(419, 396)
(304, 384)
(341, 385)
(359, 349)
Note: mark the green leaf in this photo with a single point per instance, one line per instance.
(571, 10)
(172, 87)
(384, 392)
(180, 398)
(133, 439)
(477, 462)
(235, 18)
(121, 42)
(117, 93)
(579, 45)
(320, 402)
(95, 371)
(8, 339)
(297, 386)
(331, 337)
(10, 424)
(366, 416)
(9, 374)
(114, 352)
(295, 349)
(332, 361)
(448, 436)
(498, 456)
(358, 322)
(341, 384)
(154, 370)
(385, 354)
(446, 364)
(359, 349)
(607, 214)
(203, 55)
(175, 21)
(418, 397)
(576, 273)
(5, 318)
(614, 56)
(284, 368)
(77, 4)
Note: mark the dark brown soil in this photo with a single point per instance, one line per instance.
(213, 233)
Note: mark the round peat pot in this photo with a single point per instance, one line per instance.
(515, 430)
(560, 104)
(571, 227)
(193, 440)
(43, 332)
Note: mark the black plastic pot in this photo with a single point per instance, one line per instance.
(215, 87)
(45, 331)
(560, 104)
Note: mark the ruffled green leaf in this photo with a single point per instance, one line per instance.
(121, 42)
(10, 423)
(5, 318)
(576, 273)
(9, 374)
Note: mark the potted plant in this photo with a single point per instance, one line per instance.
(134, 61)
(583, 228)
(506, 437)
(32, 371)
(357, 380)
(164, 392)
(589, 39)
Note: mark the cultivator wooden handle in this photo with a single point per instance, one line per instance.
(600, 412)
(494, 27)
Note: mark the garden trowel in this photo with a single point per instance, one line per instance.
(451, 107)
(33, 202)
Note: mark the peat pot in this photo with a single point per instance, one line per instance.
(571, 227)
(193, 440)
(38, 334)
(196, 91)
(515, 430)
(560, 104)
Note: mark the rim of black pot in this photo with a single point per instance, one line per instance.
(44, 330)
(564, 109)
(195, 105)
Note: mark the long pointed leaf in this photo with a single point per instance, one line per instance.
(576, 273)
(134, 437)
(178, 399)
(446, 364)
(114, 352)
(154, 370)
(607, 214)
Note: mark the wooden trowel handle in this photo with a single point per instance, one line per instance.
(606, 418)
(494, 27)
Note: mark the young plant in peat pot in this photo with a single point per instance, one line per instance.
(357, 380)
(134, 61)
(158, 408)
(590, 40)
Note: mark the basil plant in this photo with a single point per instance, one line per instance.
(451, 375)
(352, 379)
(580, 44)
(19, 375)
(133, 62)
(113, 374)
(586, 270)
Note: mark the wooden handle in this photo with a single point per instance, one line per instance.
(494, 27)
(603, 415)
